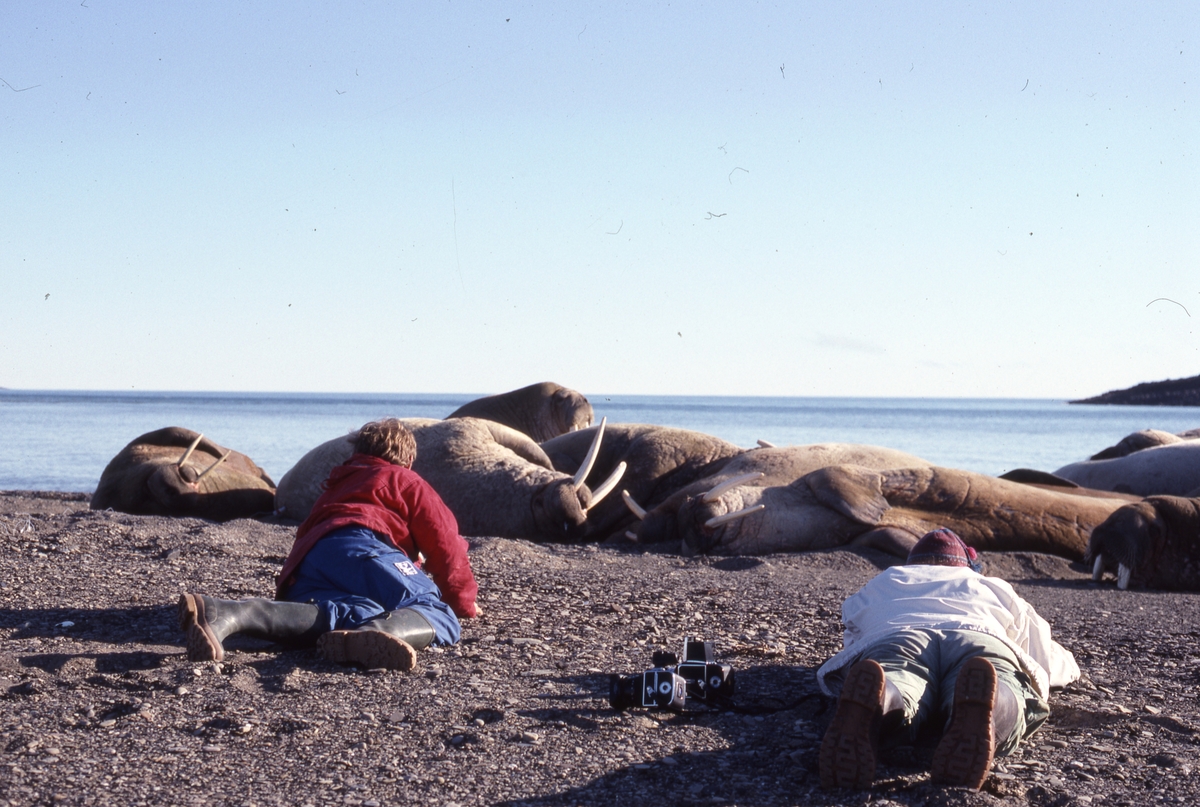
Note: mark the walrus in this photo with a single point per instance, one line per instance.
(1162, 470)
(1153, 543)
(1146, 438)
(495, 479)
(764, 467)
(659, 460)
(849, 505)
(179, 472)
(541, 411)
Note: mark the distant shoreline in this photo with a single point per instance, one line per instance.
(1172, 392)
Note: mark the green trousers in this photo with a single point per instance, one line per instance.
(924, 663)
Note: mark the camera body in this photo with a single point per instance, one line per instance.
(670, 682)
(658, 687)
(707, 680)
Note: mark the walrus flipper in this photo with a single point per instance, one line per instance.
(893, 540)
(1029, 476)
(851, 490)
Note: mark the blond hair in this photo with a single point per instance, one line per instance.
(388, 439)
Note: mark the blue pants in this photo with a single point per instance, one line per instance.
(354, 577)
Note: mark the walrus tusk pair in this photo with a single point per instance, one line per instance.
(212, 467)
(710, 496)
(1124, 573)
(589, 460)
(728, 484)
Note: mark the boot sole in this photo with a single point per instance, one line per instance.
(202, 644)
(370, 648)
(848, 751)
(189, 606)
(964, 755)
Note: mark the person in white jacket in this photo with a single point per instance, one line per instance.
(934, 637)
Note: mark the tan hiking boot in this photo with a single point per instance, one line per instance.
(849, 750)
(964, 755)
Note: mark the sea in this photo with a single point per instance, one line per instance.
(62, 440)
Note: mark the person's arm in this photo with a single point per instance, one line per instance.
(1033, 636)
(434, 531)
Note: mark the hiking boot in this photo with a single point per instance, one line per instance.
(850, 747)
(964, 755)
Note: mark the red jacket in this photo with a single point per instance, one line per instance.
(397, 504)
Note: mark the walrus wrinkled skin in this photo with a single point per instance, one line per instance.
(849, 505)
(157, 475)
(1153, 543)
(495, 480)
(660, 460)
(757, 469)
(1162, 470)
(542, 411)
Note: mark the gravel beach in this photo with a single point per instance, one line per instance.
(99, 704)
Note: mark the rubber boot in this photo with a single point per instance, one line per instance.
(984, 712)
(851, 745)
(391, 641)
(209, 621)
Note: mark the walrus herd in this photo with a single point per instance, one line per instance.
(518, 465)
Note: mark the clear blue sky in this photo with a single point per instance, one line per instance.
(927, 199)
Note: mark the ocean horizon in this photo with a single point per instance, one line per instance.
(62, 439)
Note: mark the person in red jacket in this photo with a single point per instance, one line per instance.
(353, 581)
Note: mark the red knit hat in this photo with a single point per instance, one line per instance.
(942, 547)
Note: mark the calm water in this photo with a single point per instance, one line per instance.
(63, 440)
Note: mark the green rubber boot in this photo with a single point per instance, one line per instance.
(390, 642)
(209, 621)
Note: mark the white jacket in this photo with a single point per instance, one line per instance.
(951, 598)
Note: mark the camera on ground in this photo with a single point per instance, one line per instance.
(670, 683)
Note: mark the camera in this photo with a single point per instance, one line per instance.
(657, 687)
(670, 682)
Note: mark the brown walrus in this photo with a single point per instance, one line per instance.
(1154, 543)
(179, 472)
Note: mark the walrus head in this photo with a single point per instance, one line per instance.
(571, 410)
(560, 508)
(693, 519)
(1129, 540)
(177, 486)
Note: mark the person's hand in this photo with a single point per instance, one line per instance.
(478, 611)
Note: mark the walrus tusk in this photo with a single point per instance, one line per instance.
(717, 521)
(213, 467)
(1123, 575)
(765, 444)
(590, 459)
(1098, 568)
(190, 449)
(633, 506)
(607, 485)
(733, 482)
(631, 535)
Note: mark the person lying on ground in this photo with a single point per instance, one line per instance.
(353, 583)
(935, 638)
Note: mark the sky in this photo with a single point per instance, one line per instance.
(850, 199)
